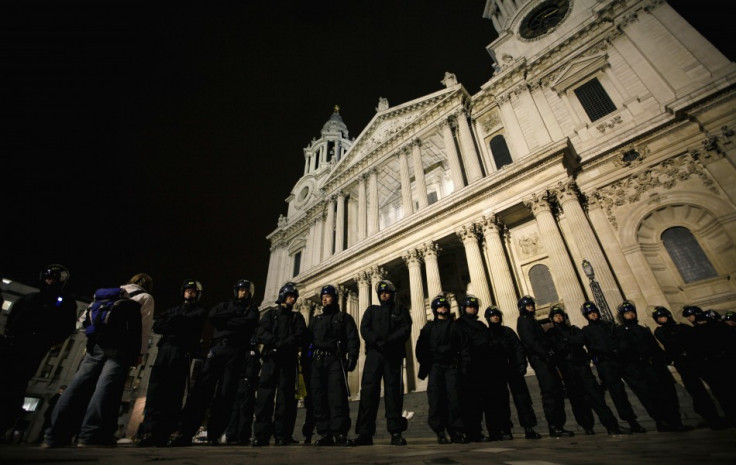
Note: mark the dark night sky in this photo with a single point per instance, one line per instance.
(165, 140)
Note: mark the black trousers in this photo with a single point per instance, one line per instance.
(653, 389)
(19, 360)
(586, 395)
(522, 400)
(719, 374)
(215, 387)
(609, 371)
(329, 395)
(702, 402)
(553, 398)
(443, 396)
(275, 400)
(165, 394)
(240, 427)
(378, 367)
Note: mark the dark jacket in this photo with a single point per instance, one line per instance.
(43, 318)
(333, 326)
(567, 343)
(182, 326)
(601, 341)
(438, 343)
(234, 321)
(475, 348)
(505, 339)
(281, 331)
(386, 328)
(532, 336)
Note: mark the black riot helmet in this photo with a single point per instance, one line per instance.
(557, 309)
(243, 284)
(330, 290)
(56, 272)
(659, 312)
(589, 307)
(626, 306)
(691, 310)
(493, 311)
(192, 284)
(440, 301)
(287, 289)
(469, 301)
(712, 315)
(523, 302)
(385, 286)
(730, 316)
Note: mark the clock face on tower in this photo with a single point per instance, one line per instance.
(543, 18)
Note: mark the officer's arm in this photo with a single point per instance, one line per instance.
(352, 339)
(526, 333)
(297, 338)
(264, 334)
(366, 330)
(403, 332)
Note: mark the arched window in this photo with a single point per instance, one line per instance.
(687, 255)
(542, 284)
(500, 152)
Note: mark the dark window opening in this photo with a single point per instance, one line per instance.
(688, 256)
(594, 99)
(500, 152)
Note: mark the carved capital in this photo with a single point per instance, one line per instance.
(413, 257)
(538, 203)
(363, 277)
(431, 250)
(467, 233)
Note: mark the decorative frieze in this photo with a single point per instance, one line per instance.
(610, 124)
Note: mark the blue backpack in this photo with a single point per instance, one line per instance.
(111, 311)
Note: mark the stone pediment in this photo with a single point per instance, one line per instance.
(578, 70)
(389, 123)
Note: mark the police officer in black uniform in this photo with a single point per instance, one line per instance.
(505, 339)
(336, 345)
(572, 361)
(678, 340)
(216, 386)
(282, 332)
(438, 354)
(385, 328)
(181, 330)
(603, 347)
(37, 322)
(480, 388)
(645, 372)
(539, 353)
(715, 355)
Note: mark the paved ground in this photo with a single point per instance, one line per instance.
(699, 447)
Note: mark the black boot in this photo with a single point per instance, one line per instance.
(442, 439)
(364, 440)
(560, 432)
(529, 433)
(506, 435)
(589, 431)
(616, 430)
(635, 427)
(342, 440)
(325, 441)
(397, 439)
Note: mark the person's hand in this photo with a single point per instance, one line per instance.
(352, 363)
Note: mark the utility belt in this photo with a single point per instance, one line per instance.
(320, 353)
(227, 342)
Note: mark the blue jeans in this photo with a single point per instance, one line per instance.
(92, 400)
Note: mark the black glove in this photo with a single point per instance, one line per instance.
(352, 363)
(380, 344)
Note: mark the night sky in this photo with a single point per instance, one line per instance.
(166, 140)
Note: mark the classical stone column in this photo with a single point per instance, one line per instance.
(269, 288)
(362, 208)
(372, 202)
(329, 228)
(319, 227)
(406, 201)
(467, 149)
(419, 181)
(350, 300)
(413, 260)
(587, 243)
(431, 251)
(625, 276)
(501, 277)
(453, 159)
(566, 280)
(309, 247)
(340, 223)
(478, 281)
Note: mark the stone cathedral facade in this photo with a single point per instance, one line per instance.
(596, 163)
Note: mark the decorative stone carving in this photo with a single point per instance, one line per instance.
(283, 220)
(382, 104)
(467, 232)
(529, 245)
(449, 80)
(664, 175)
(490, 122)
(610, 124)
(413, 256)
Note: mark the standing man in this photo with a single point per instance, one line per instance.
(37, 322)
(93, 396)
(233, 325)
(678, 341)
(603, 347)
(644, 370)
(539, 353)
(581, 386)
(438, 354)
(180, 329)
(282, 333)
(336, 345)
(241, 420)
(506, 340)
(385, 328)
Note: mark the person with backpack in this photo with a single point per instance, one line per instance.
(37, 322)
(233, 323)
(180, 329)
(282, 333)
(113, 325)
(438, 354)
(385, 329)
